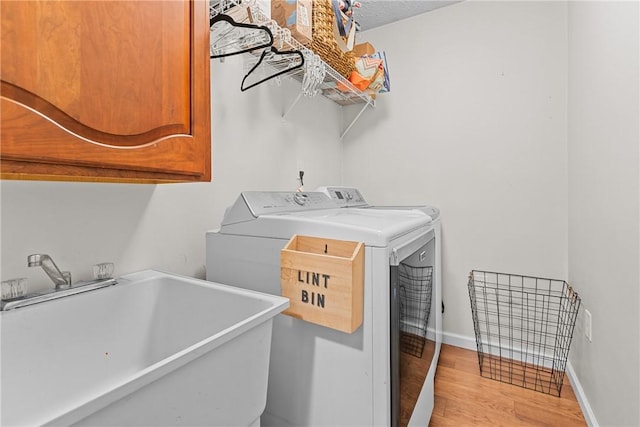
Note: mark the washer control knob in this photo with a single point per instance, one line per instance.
(300, 199)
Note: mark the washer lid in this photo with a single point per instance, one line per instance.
(372, 226)
(432, 211)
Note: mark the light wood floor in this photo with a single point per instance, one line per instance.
(464, 398)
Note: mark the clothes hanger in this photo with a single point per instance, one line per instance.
(283, 62)
(229, 37)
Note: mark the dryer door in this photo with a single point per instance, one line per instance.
(412, 323)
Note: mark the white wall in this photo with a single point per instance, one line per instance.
(520, 120)
(163, 226)
(604, 186)
(475, 124)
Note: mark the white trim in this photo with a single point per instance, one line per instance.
(459, 341)
(469, 343)
(587, 412)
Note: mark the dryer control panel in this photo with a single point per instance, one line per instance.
(345, 196)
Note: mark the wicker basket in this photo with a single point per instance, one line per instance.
(324, 42)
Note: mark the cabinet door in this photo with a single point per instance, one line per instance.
(105, 90)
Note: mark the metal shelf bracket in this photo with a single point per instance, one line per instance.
(292, 106)
(371, 103)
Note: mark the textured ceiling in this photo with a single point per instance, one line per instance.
(375, 13)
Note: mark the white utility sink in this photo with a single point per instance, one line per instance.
(155, 349)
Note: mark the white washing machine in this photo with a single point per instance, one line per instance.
(319, 376)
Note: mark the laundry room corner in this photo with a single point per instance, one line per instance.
(477, 127)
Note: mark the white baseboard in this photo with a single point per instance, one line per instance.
(459, 341)
(589, 416)
(469, 343)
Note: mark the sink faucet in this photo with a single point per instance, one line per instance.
(62, 279)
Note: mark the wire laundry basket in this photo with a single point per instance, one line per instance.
(523, 326)
(415, 285)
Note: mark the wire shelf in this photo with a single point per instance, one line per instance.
(523, 327)
(332, 85)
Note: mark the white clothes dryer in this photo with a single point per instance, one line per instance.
(319, 376)
(351, 197)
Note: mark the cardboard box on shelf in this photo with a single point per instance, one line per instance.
(363, 49)
(296, 15)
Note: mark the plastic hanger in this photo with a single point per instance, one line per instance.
(283, 62)
(229, 37)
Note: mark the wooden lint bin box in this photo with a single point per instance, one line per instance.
(324, 280)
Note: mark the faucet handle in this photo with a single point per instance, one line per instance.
(14, 288)
(67, 277)
(103, 270)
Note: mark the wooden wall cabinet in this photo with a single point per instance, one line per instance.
(105, 90)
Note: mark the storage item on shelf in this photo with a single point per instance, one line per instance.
(371, 74)
(296, 15)
(367, 72)
(344, 28)
(362, 49)
(381, 83)
(324, 41)
(523, 327)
